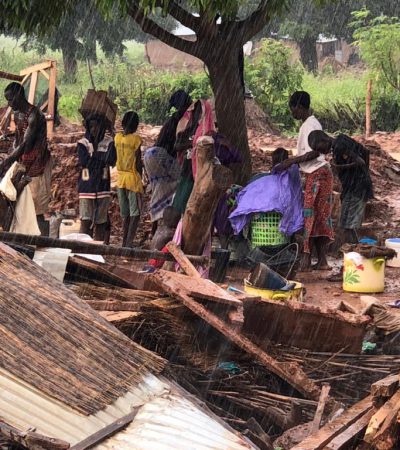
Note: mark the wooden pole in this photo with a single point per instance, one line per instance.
(51, 99)
(91, 248)
(11, 76)
(368, 109)
(32, 88)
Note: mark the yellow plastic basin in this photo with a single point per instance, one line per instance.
(294, 294)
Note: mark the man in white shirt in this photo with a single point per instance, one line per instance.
(318, 230)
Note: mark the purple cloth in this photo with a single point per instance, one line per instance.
(280, 192)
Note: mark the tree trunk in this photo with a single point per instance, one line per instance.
(210, 183)
(70, 63)
(308, 54)
(225, 77)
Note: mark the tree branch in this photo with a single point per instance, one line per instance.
(183, 16)
(249, 27)
(151, 27)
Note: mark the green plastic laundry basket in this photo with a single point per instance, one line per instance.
(265, 230)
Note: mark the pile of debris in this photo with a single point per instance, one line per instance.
(372, 423)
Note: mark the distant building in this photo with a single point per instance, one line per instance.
(163, 56)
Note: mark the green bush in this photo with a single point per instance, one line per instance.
(386, 112)
(147, 91)
(272, 78)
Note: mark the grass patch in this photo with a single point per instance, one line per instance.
(346, 87)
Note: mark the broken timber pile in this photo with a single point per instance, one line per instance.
(372, 423)
(177, 286)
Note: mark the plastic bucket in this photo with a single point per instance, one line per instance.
(54, 260)
(394, 243)
(363, 275)
(265, 278)
(220, 265)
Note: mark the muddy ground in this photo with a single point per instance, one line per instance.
(382, 218)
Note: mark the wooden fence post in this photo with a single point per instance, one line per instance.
(368, 109)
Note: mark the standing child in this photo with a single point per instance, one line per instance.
(351, 162)
(129, 181)
(96, 153)
(318, 191)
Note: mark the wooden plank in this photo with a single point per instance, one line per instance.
(32, 88)
(343, 440)
(87, 270)
(182, 260)
(44, 106)
(45, 74)
(118, 317)
(113, 305)
(382, 423)
(30, 439)
(385, 387)
(290, 372)
(327, 433)
(36, 68)
(200, 288)
(106, 432)
(88, 291)
(10, 76)
(320, 408)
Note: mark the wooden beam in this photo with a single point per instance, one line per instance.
(343, 440)
(113, 305)
(290, 372)
(381, 431)
(44, 106)
(36, 68)
(10, 76)
(52, 99)
(182, 260)
(385, 387)
(89, 248)
(32, 88)
(327, 433)
(45, 74)
(320, 408)
(119, 317)
(200, 288)
(25, 78)
(106, 432)
(30, 439)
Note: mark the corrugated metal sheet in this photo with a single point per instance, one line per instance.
(167, 419)
(172, 422)
(23, 406)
